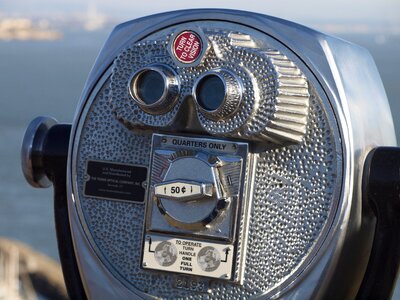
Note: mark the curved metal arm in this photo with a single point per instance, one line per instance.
(44, 161)
(382, 188)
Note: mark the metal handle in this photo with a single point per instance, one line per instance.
(183, 190)
(44, 162)
(32, 151)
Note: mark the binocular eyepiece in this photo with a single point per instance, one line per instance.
(237, 88)
(219, 154)
(154, 89)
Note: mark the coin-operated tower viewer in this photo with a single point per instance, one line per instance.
(220, 154)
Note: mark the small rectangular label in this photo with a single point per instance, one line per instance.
(115, 181)
(193, 284)
(180, 190)
(187, 256)
(198, 144)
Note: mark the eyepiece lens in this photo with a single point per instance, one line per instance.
(150, 86)
(210, 92)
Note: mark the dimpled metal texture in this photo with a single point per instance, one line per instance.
(294, 189)
(275, 96)
(294, 200)
(127, 63)
(149, 52)
(278, 111)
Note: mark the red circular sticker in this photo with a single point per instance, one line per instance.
(187, 47)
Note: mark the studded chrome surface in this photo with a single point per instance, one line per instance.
(275, 100)
(295, 192)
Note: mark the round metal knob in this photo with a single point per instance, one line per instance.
(218, 94)
(194, 202)
(32, 151)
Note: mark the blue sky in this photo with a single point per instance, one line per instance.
(308, 12)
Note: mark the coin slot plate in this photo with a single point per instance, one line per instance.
(211, 250)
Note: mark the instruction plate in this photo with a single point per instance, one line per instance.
(187, 256)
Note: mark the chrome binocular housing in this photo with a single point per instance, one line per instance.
(219, 154)
(238, 82)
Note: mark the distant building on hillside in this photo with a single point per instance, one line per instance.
(25, 29)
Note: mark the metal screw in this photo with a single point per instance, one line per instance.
(144, 264)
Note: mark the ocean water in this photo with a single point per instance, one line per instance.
(37, 78)
(46, 78)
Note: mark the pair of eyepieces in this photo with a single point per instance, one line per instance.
(218, 92)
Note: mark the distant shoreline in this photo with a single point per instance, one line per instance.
(23, 29)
